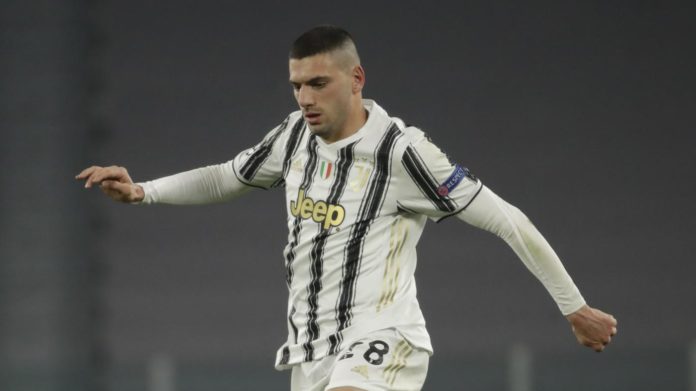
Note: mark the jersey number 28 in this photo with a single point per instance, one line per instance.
(374, 355)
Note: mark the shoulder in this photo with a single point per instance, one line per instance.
(415, 149)
(293, 119)
(412, 137)
(408, 134)
(291, 127)
(294, 116)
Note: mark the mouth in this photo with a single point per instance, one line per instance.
(312, 118)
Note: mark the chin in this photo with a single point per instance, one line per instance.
(319, 131)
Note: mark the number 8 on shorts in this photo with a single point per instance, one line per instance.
(381, 361)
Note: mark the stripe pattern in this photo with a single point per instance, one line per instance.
(369, 209)
(392, 266)
(285, 357)
(344, 163)
(261, 154)
(290, 149)
(401, 353)
(425, 180)
(307, 178)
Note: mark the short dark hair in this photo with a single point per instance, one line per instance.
(320, 39)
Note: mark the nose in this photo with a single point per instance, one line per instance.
(305, 97)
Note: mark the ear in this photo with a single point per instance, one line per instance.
(358, 79)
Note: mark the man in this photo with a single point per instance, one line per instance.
(360, 186)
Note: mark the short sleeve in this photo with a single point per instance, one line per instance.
(434, 185)
(263, 164)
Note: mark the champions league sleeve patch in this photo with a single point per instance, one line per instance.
(454, 179)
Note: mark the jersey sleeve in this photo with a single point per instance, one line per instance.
(434, 185)
(263, 164)
(493, 214)
(200, 186)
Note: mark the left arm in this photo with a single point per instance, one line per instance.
(593, 328)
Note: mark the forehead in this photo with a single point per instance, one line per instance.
(304, 69)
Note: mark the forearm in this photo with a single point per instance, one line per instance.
(200, 186)
(493, 214)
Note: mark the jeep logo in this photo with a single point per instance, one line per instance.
(328, 215)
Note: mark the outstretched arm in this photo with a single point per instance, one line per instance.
(200, 186)
(592, 328)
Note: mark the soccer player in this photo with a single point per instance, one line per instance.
(360, 186)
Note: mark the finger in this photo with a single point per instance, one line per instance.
(100, 175)
(112, 172)
(91, 179)
(614, 331)
(92, 176)
(86, 172)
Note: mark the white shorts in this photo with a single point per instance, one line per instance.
(381, 361)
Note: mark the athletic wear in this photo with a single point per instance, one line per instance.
(491, 213)
(356, 209)
(381, 361)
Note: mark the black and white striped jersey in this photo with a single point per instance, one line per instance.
(356, 209)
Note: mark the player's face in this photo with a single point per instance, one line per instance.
(323, 90)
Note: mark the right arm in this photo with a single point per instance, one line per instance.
(262, 166)
(200, 186)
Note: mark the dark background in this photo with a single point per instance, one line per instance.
(579, 113)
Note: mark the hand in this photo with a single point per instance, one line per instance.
(114, 181)
(592, 327)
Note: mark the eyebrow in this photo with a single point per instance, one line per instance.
(313, 80)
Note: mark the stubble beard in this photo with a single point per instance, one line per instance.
(322, 130)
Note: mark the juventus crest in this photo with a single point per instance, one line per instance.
(363, 169)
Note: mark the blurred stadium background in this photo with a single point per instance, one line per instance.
(580, 113)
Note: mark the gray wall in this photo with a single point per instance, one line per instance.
(579, 114)
(50, 309)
